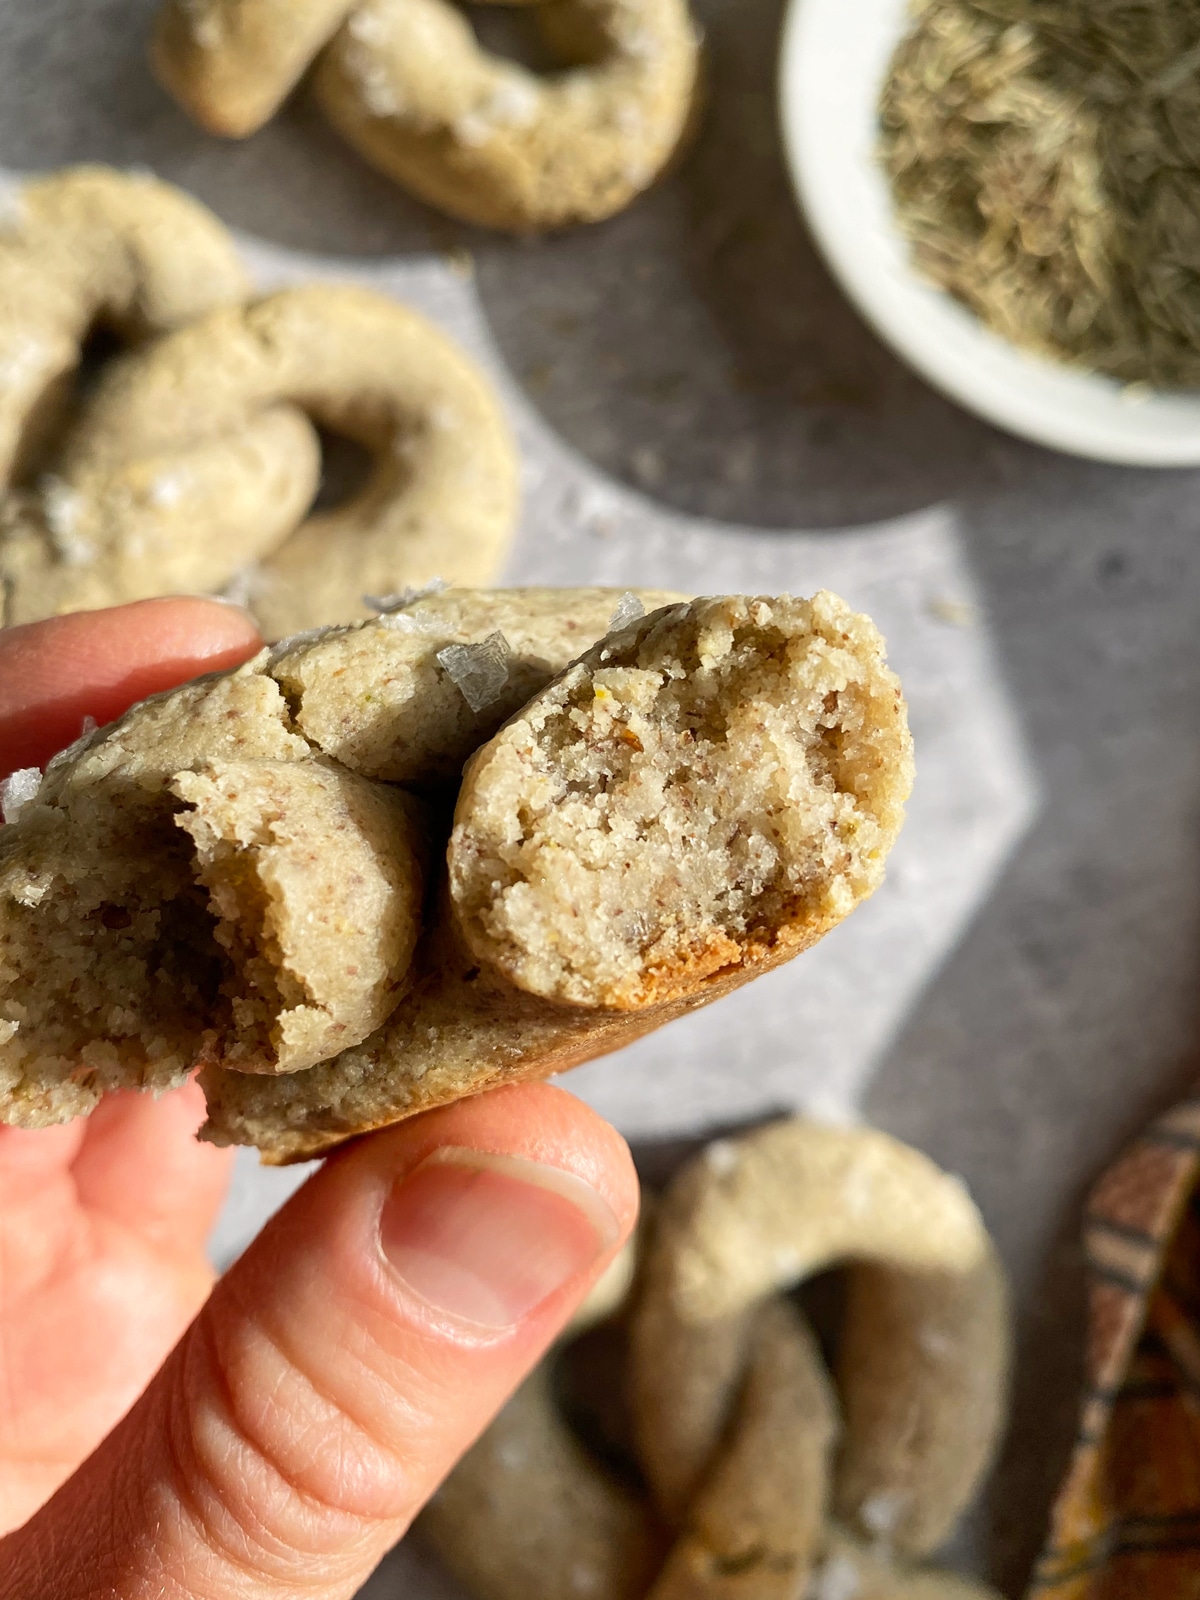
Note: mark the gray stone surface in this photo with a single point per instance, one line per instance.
(694, 351)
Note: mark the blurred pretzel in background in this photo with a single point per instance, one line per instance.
(191, 462)
(763, 1480)
(407, 83)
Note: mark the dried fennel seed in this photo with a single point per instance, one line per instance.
(1044, 157)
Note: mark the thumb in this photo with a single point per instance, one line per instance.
(344, 1363)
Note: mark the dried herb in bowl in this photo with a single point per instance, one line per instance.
(1044, 157)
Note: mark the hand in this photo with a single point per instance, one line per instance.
(337, 1371)
(103, 1222)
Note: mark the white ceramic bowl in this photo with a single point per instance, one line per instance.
(835, 57)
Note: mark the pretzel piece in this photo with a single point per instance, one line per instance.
(197, 455)
(529, 1513)
(87, 245)
(100, 891)
(756, 1521)
(407, 83)
(315, 878)
(922, 1365)
(799, 749)
(232, 63)
(852, 1570)
(488, 1008)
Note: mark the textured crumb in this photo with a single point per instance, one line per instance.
(721, 778)
(132, 948)
(315, 881)
(387, 697)
(231, 876)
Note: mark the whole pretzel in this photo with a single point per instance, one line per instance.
(407, 83)
(752, 1471)
(90, 245)
(194, 461)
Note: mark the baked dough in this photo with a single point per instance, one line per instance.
(757, 1469)
(407, 83)
(89, 245)
(924, 1351)
(750, 757)
(195, 461)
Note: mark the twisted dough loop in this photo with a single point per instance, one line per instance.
(736, 1424)
(90, 245)
(406, 83)
(768, 1211)
(196, 459)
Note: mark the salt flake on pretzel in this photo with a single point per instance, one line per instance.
(408, 84)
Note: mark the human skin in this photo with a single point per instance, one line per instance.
(274, 1435)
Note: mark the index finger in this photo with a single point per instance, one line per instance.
(96, 664)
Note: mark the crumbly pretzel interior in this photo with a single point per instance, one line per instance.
(652, 821)
(219, 877)
(234, 874)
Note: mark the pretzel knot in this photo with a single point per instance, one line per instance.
(90, 245)
(764, 1484)
(194, 460)
(408, 84)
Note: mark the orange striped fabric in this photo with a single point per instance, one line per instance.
(1126, 1524)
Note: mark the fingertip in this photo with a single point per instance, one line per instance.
(537, 1122)
(192, 627)
(362, 1342)
(96, 664)
(141, 1165)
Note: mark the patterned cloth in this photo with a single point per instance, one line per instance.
(1126, 1525)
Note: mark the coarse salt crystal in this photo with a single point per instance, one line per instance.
(629, 609)
(386, 604)
(721, 1156)
(17, 790)
(62, 507)
(204, 21)
(480, 670)
(837, 1579)
(881, 1512)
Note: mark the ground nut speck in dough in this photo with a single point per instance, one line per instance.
(770, 733)
(407, 83)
